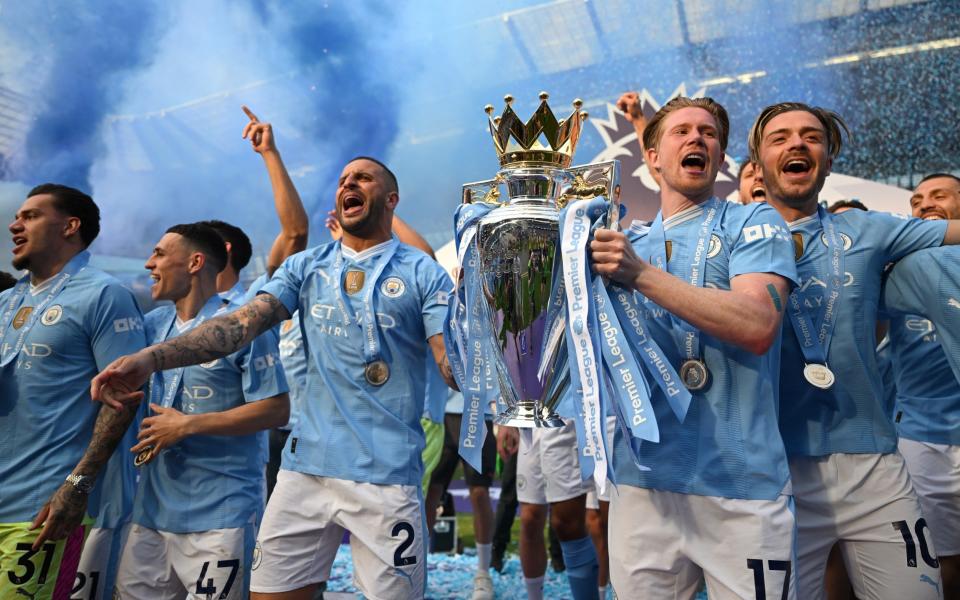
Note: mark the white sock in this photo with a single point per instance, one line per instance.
(484, 551)
(534, 587)
(603, 592)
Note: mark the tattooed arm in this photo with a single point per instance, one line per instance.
(440, 355)
(216, 338)
(66, 508)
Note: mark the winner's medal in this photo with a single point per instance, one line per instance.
(144, 456)
(819, 375)
(694, 374)
(377, 372)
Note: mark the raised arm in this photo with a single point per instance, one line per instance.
(168, 426)
(294, 225)
(67, 507)
(216, 338)
(747, 315)
(408, 235)
(629, 104)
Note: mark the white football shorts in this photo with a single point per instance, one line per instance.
(935, 472)
(548, 467)
(664, 544)
(170, 566)
(305, 522)
(866, 504)
(97, 570)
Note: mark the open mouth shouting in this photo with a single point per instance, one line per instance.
(797, 168)
(758, 193)
(695, 162)
(351, 204)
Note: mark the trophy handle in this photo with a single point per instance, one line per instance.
(596, 179)
(486, 191)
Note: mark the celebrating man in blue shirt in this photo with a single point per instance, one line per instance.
(850, 484)
(922, 294)
(369, 309)
(708, 282)
(202, 481)
(60, 324)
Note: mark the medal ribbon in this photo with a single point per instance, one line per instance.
(368, 316)
(815, 349)
(689, 335)
(583, 343)
(168, 382)
(74, 266)
(630, 315)
(630, 386)
(470, 344)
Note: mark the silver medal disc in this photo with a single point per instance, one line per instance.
(819, 376)
(694, 375)
(377, 372)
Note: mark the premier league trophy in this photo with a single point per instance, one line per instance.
(518, 298)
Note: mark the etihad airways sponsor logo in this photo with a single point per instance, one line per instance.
(330, 322)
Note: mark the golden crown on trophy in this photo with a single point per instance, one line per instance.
(541, 141)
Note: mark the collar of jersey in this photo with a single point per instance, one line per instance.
(42, 286)
(793, 225)
(369, 253)
(683, 216)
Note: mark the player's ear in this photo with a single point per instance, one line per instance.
(653, 158)
(196, 262)
(393, 199)
(71, 227)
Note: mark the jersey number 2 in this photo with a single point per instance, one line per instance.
(399, 560)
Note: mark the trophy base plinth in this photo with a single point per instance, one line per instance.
(529, 414)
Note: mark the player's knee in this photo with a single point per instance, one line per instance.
(479, 494)
(532, 519)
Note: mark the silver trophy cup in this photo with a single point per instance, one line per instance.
(518, 249)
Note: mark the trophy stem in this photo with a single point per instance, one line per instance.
(527, 414)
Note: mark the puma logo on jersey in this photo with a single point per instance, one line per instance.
(953, 302)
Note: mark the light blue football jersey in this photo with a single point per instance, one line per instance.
(209, 481)
(46, 416)
(294, 360)
(849, 417)
(926, 283)
(887, 376)
(729, 444)
(350, 429)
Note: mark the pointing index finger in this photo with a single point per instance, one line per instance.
(249, 113)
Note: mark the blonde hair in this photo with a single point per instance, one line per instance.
(833, 125)
(653, 130)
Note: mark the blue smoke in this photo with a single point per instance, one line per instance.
(83, 49)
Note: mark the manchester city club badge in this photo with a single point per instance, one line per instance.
(377, 372)
(694, 375)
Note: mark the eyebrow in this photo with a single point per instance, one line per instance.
(803, 130)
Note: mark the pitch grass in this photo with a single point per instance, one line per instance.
(467, 538)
